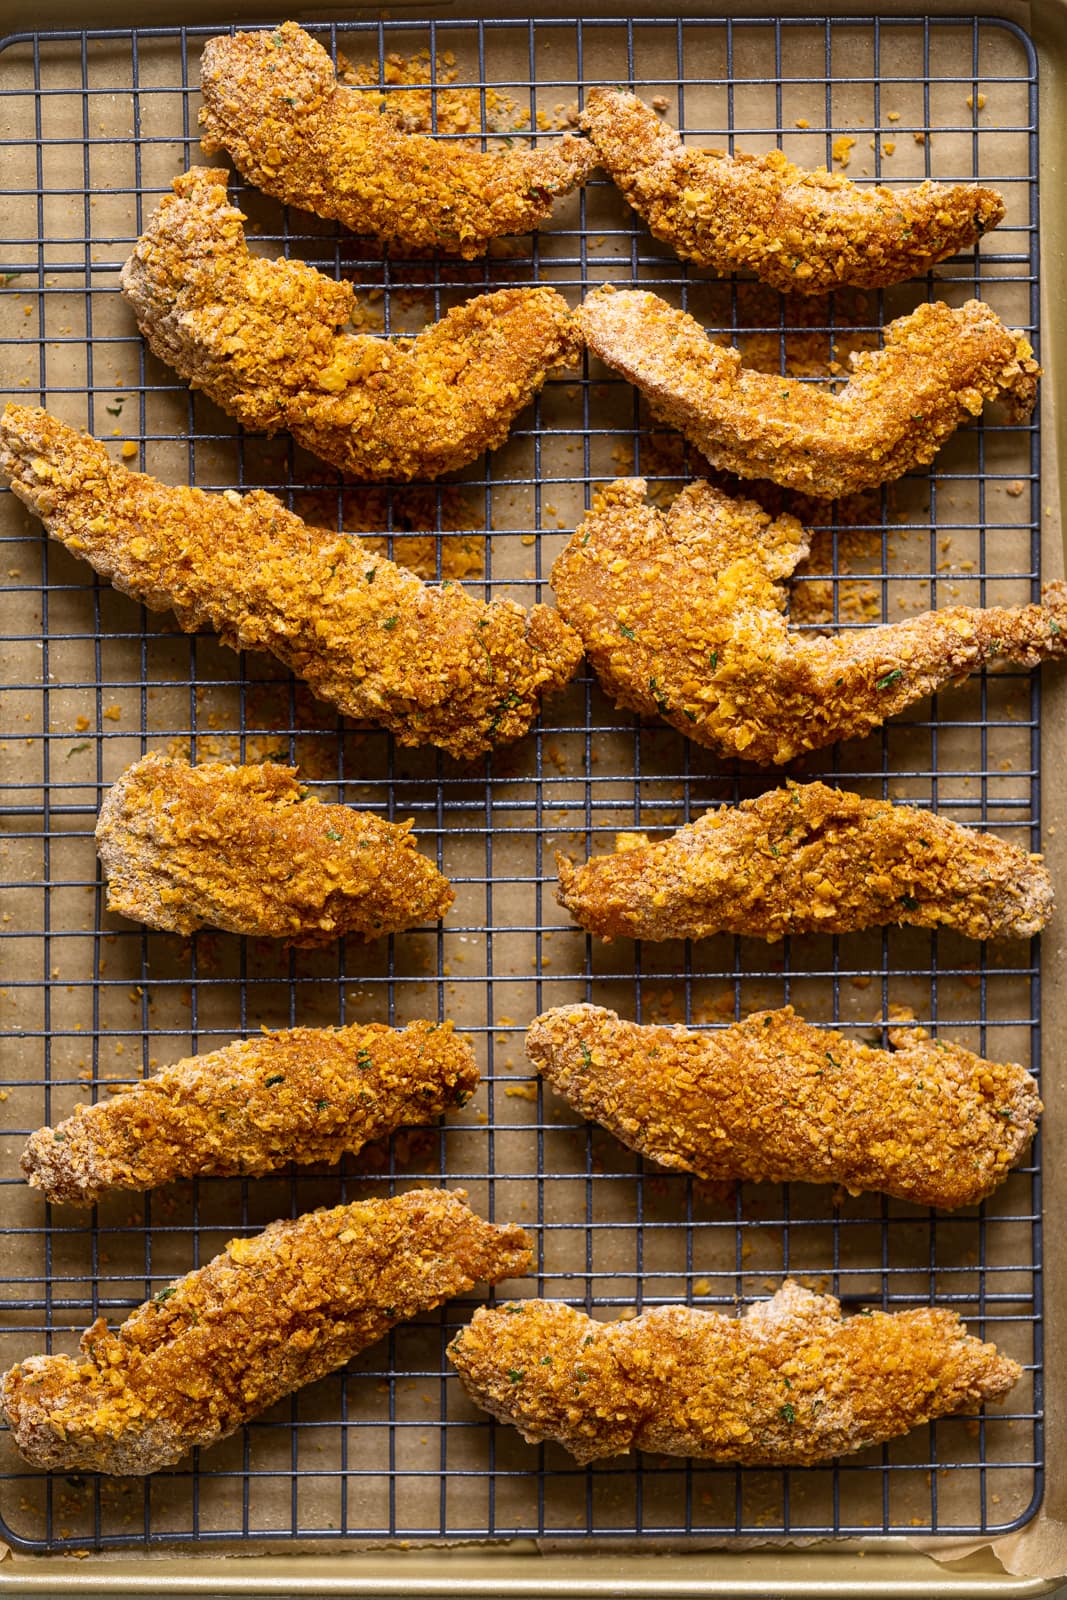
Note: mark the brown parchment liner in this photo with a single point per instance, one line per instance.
(1038, 1552)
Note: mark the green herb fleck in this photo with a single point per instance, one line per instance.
(909, 902)
(76, 749)
(787, 1412)
(587, 1054)
(165, 1294)
(9, 277)
(59, 1138)
(661, 704)
(363, 1059)
(369, 574)
(546, 1361)
(514, 1310)
(627, 633)
(713, 659)
(332, 833)
(1005, 1112)
(321, 1105)
(515, 1375)
(587, 535)
(390, 623)
(1053, 627)
(832, 1059)
(890, 678)
(116, 409)
(277, 1077)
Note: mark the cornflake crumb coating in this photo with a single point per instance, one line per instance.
(246, 849)
(431, 663)
(273, 101)
(788, 1384)
(260, 338)
(938, 367)
(301, 1094)
(267, 1316)
(683, 615)
(773, 1099)
(809, 859)
(803, 232)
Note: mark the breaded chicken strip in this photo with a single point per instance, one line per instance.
(270, 1314)
(260, 339)
(247, 849)
(273, 101)
(683, 614)
(897, 409)
(801, 232)
(429, 662)
(788, 1384)
(773, 1099)
(303, 1094)
(809, 859)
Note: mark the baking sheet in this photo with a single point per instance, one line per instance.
(609, 1229)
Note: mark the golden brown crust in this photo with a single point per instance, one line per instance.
(802, 232)
(788, 1384)
(244, 848)
(899, 406)
(682, 614)
(270, 1314)
(260, 338)
(302, 1094)
(431, 663)
(273, 101)
(773, 1099)
(809, 859)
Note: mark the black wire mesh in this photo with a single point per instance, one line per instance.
(93, 127)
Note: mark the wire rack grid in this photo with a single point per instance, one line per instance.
(94, 125)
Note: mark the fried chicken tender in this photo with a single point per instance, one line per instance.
(303, 1094)
(431, 663)
(273, 101)
(790, 1383)
(801, 232)
(899, 406)
(683, 614)
(773, 1099)
(246, 849)
(259, 338)
(269, 1315)
(809, 859)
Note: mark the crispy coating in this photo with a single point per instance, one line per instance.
(899, 406)
(246, 849)
(270, 1314)
(683, 614)
(801, 232)
(773, 1099)
(809, 859)
(273, 101)
(302, 1094)
(431, 663)
(259, 338)
(790, 1383)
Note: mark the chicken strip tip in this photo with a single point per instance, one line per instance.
(267, 1316)
(260, 339)
(246, 849)
(791, 1383)
(804, 232)
(939, 365)
(431, 663)
(301, 1094)
(773, 1099)
(272, 100)
(809, 859)
(682, 614)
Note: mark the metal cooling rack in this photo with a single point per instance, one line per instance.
(94, 126)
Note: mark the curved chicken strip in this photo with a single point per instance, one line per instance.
(897, 409)
(773, 1099)
(273, 101)
(788, 1384)
(809, 859)
(269, 1315)
(303, 1094)
(801, 232)
(682, 614)
(247, 849)
(430, 663)
(260, 339)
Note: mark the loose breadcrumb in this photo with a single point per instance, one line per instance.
(303, 1094)
(790, 1383)
(246, 849)
(270, 1314)
(809, 859)
(260, 338)
(901, 403)
(802, 232)
(273, 101)
(773, 1099)
(682, 614)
